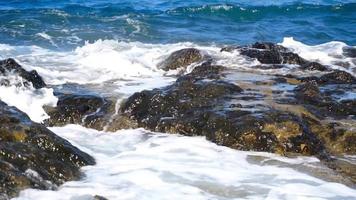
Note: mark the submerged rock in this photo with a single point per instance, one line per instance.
(31, 156)
(181, 59)
(9, 66)
(309, 93)
(322, 104)
(88, 110)
(313, 66)
(349, 52)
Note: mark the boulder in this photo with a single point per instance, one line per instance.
(31, 156)
(88, 110)
(11, 66)
(269, 53)
(181, 59)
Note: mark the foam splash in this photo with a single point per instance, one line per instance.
(26, 98)
(330, 53)
(125, 64)
(136, 164)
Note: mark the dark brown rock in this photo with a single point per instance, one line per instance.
(87, 110)
(181, 59)
(269, 53)
(314, 66)
(337, 77)
(197, 105)
(31, 156)
(11, 66)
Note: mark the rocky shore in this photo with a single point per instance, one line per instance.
(296, 113)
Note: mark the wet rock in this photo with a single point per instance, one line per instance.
(314, 66)
(321, 103)
(309, 92)
(269, 53)
(88, 110)
(31, 156)
(337, 77)
(181, 59)
(97, 197)
(230, 48)
(11, 66)
(267, 67)
(197, 105)
(268, 46)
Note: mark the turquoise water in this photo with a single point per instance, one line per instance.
(66, 24)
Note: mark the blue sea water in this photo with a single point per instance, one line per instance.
(65, 24)
(113, 48)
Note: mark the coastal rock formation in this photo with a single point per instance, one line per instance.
(10, 66)
(33, 156)
(202, 103)
(181, 59)
(277, 113)
(209, 102)
(88, 110)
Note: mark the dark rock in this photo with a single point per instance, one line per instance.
(337, 77)
(87, 110)
(267, 67)
(309, 93)
(269, 46)
(230, 48)
(272, 56)
(313, 66)
(207, 71)
(269, 53)
(11, 66)
(97, 197)
(181, 59)
(31, 156)
(321, 103)
(196, 105)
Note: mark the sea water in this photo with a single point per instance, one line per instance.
(113, 48)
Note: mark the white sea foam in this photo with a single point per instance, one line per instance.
(47, 37)
(123, 63)
(330, 53)
(136, 164)
(27, 98)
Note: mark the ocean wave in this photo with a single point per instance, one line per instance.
(235, 10)
(26, 97)
(111, 60)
